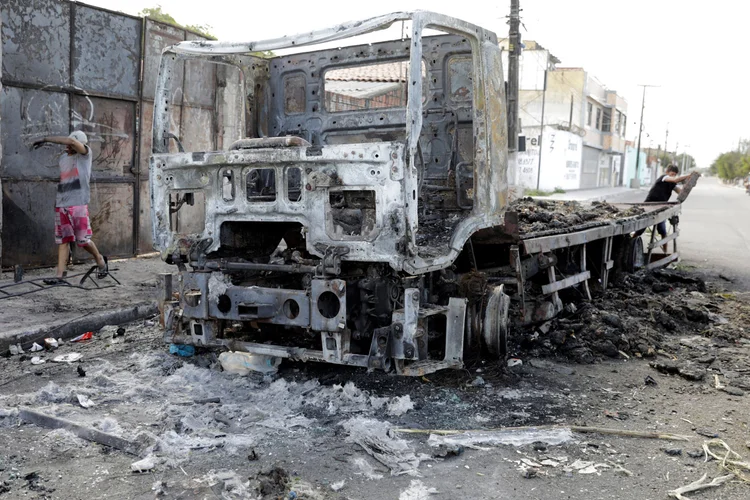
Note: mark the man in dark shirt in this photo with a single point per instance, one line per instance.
(662, 189)
(661, 192)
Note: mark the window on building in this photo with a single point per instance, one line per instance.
(618, 122)
(598, 118)
(607, 120)
(589, 110)
(624, 124)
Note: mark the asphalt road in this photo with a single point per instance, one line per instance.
(714, 229)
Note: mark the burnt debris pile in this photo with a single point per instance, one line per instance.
(543, 215)
(639, 316)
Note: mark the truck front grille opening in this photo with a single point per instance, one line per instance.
(225, 303)
(261, 185)
(328, 305)
(291, 308)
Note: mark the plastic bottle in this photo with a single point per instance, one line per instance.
(243, 363)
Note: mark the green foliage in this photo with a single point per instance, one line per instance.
(732, 165)
(539, 192)
(157, 14)
(536, 192)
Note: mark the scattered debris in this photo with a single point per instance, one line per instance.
(51, 343)
(400, 405)
(673, 452)
(71, 357)
(16, 349)
(733, 391)
(514, 362)
(36, 347)
(145, 465)
(365, 469)
(620, 468)
(271, 483)
(243, 363)
(531, 463)
(36, 360)
(205, 401)
(81, 371)
(374, 437)
(731, 461)
(649, 380)
(338, 485)
(686, 370)
(84, 401)
(446, 451)
(698, 485)
(83, 337)
(527, 473)
(183, 350)
(707, 433)
(417, 491)
(252, 456)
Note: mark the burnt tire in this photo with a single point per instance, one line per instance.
(495, 323)
(629, 256)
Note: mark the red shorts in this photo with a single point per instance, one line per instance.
(72, 224)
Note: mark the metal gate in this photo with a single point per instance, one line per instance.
(68, 66)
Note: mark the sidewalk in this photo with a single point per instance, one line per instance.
(593, 194)
(61, 311)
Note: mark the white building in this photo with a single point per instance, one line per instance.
(583, 123)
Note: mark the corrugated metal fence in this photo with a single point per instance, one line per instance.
(68, 66)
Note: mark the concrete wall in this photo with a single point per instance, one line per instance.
(531, 66)
(558, 154)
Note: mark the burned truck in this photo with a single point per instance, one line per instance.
(355, 208)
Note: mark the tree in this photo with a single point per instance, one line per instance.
(732, 165)
(157, 14)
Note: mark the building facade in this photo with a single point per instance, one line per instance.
(556, 104)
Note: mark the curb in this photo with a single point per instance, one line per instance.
(69, 329)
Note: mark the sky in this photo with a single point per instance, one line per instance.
(695, 53)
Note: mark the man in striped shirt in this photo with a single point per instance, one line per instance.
(71, 202)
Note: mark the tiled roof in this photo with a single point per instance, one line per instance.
(386, 72)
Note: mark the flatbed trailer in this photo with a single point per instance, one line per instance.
(352, 206)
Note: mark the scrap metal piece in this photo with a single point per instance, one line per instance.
(82, 431)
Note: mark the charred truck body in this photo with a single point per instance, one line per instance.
(361, 216)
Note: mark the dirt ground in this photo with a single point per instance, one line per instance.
(323, 432)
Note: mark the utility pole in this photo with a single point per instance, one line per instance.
(541, 134)
(514, 38)
(636, 181)
(666, 151)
